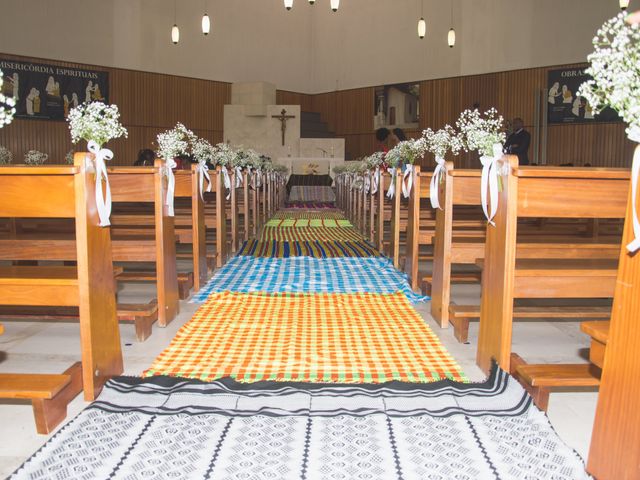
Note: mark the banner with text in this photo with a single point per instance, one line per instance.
(565, 106)
(48, 92)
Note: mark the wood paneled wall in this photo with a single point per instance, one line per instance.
(152, 102)
(149, 103)
(350, 114)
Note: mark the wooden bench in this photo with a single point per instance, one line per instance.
(534, 192)
(460, 315)
(66, 192)
(599, 333)
(540, 379)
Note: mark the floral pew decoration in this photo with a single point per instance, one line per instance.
(97, 123)
(403, 156)
(375, 164)
(244, 160)
(172, 143)
(615, 68)
(485, 134)
(439, 143)
(203, 153)
(6, 157)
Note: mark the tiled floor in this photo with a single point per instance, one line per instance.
(52, 347)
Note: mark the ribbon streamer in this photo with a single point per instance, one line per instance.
(169, 165)
(634, 135)
(375, 181)
(407, 180)
(392, 187)
(203, 172)
(239, 178)
(227, 181)
(435, 183)
(490, 179)
(103, 198)
(367, 182)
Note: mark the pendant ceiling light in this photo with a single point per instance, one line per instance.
(335, 4)
(422, 28)
(175, 31)
(451, 37)
(422, 24)
(624, 4)
(206, 22)
(312, 2)
(288, 4)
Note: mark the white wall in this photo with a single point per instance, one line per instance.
(250, 39)
(309, 49)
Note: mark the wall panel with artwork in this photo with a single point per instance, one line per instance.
(149, 103)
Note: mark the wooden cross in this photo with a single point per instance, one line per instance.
(283, 117)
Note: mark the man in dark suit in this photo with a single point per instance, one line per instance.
(518, 142)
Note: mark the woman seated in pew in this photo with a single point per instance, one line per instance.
(146, 158)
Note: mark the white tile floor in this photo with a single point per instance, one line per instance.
(52, 347)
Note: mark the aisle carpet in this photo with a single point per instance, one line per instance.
(305, 234)
(304, 214)
(316, 249)
(308, 275)
(343, 338)
(309, 222)
(169, 428)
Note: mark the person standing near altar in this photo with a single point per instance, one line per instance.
(518, 142)
(382, 137)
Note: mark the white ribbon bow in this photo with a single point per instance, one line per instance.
(239, 178)
(407, 180)
(634, 135)
(490, 179)
(203, 172)
(227, 181)
(435, 183)
(103, 198)
(367, 182)
(375, 181)
(169, 165)
(392, 187)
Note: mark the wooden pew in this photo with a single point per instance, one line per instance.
(188, 187)
(148, 185)
(533, 192)
(64, 192)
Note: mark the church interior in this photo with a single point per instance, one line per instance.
(309, 239)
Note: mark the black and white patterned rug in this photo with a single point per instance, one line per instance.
(170, 428)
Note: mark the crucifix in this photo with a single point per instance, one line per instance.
(283, 117)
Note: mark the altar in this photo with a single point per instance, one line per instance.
(310, 166)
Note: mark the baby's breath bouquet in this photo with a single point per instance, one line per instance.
(34, 157)
(6, 157)
(480, 132)
(69, 157)
(442, 141)
(95, 121)
(7, 106)
(406, 152)
(339, 169)
(224, 155)
(246, 158)
(203, 151)
(374, 161)
(171, 144)
(615, 68)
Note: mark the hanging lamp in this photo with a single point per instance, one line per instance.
(624, 4)
(206, 22)
(451, 36)
(288, 4)
(335, 4)
(422, 24)
(175, 31)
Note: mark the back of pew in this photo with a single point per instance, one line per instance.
(549, 192)
(67, 192)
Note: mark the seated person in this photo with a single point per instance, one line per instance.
(146, 158)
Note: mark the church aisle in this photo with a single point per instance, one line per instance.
(361, 388)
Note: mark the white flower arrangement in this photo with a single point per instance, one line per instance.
(615, 68)
(34, 157)
(95, 122)
(224, 155)
(440, 142)
(203, 151)
(374, 161)
(69, 157)
(7, 106)
(406, 152)
(246, 158)
(6, 157)
(339, 169)
(171, 144)
(480, 132)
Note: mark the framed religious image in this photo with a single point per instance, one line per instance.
(48, 92)
(563, 103)
(397, 106)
